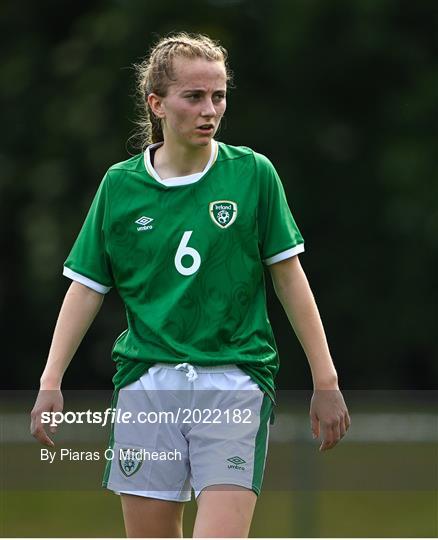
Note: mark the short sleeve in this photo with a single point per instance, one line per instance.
(89, 261)
(279, 236)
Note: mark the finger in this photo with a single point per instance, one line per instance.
(342, 427)
(42, 437)
(331, 435)
(347, 420)
(35, 423)
(326, 436)
(327, 445)
(38, 431)
(314, 426)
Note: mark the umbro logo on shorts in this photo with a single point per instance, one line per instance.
(236, 463)
(144, 223)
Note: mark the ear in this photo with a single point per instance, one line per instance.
(155, 103)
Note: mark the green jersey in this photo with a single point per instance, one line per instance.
(186, 256)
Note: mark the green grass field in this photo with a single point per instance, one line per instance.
(352, 514)
(63, 499)
(359, 489)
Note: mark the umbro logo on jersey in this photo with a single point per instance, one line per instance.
(144, 223)
(223, 213)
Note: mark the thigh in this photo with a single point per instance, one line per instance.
(145, 517)
(224, 511)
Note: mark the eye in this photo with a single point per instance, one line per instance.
(193, 97)
(219, 97)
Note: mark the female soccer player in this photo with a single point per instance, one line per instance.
(183, 231)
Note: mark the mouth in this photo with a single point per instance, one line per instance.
(205, 128)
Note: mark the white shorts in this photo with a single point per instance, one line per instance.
(189, 427)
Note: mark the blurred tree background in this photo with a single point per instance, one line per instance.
(342, 97)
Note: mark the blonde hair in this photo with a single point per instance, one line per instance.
(155, 73)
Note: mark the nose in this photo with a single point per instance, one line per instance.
(209, 108)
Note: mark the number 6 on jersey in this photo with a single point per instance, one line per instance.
(184, 250)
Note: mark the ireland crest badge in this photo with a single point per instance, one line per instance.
(223, 213)
(130, 460)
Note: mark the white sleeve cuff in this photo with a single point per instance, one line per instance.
(102, 289)
(284, 255)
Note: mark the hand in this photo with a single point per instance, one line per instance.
(47, 401)
(329, 413)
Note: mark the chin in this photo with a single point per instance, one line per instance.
(204, 141)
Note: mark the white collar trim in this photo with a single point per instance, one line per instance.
(179, 180)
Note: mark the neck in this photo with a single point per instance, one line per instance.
(175, 160)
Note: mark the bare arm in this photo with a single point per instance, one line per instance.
(79, 309)
(328, 406)
(293, 291)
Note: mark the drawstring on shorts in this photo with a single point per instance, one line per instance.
(191, 373)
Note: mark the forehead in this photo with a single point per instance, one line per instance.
(199, 73)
